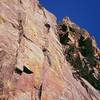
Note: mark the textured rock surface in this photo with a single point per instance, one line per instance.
(25, 41)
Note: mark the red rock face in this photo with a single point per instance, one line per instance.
(25, 41)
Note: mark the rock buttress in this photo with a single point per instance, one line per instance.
(32, 64)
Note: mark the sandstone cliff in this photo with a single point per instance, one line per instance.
(33, 64)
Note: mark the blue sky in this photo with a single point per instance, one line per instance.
(85, 13)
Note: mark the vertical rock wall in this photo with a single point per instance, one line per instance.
(32, 65)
